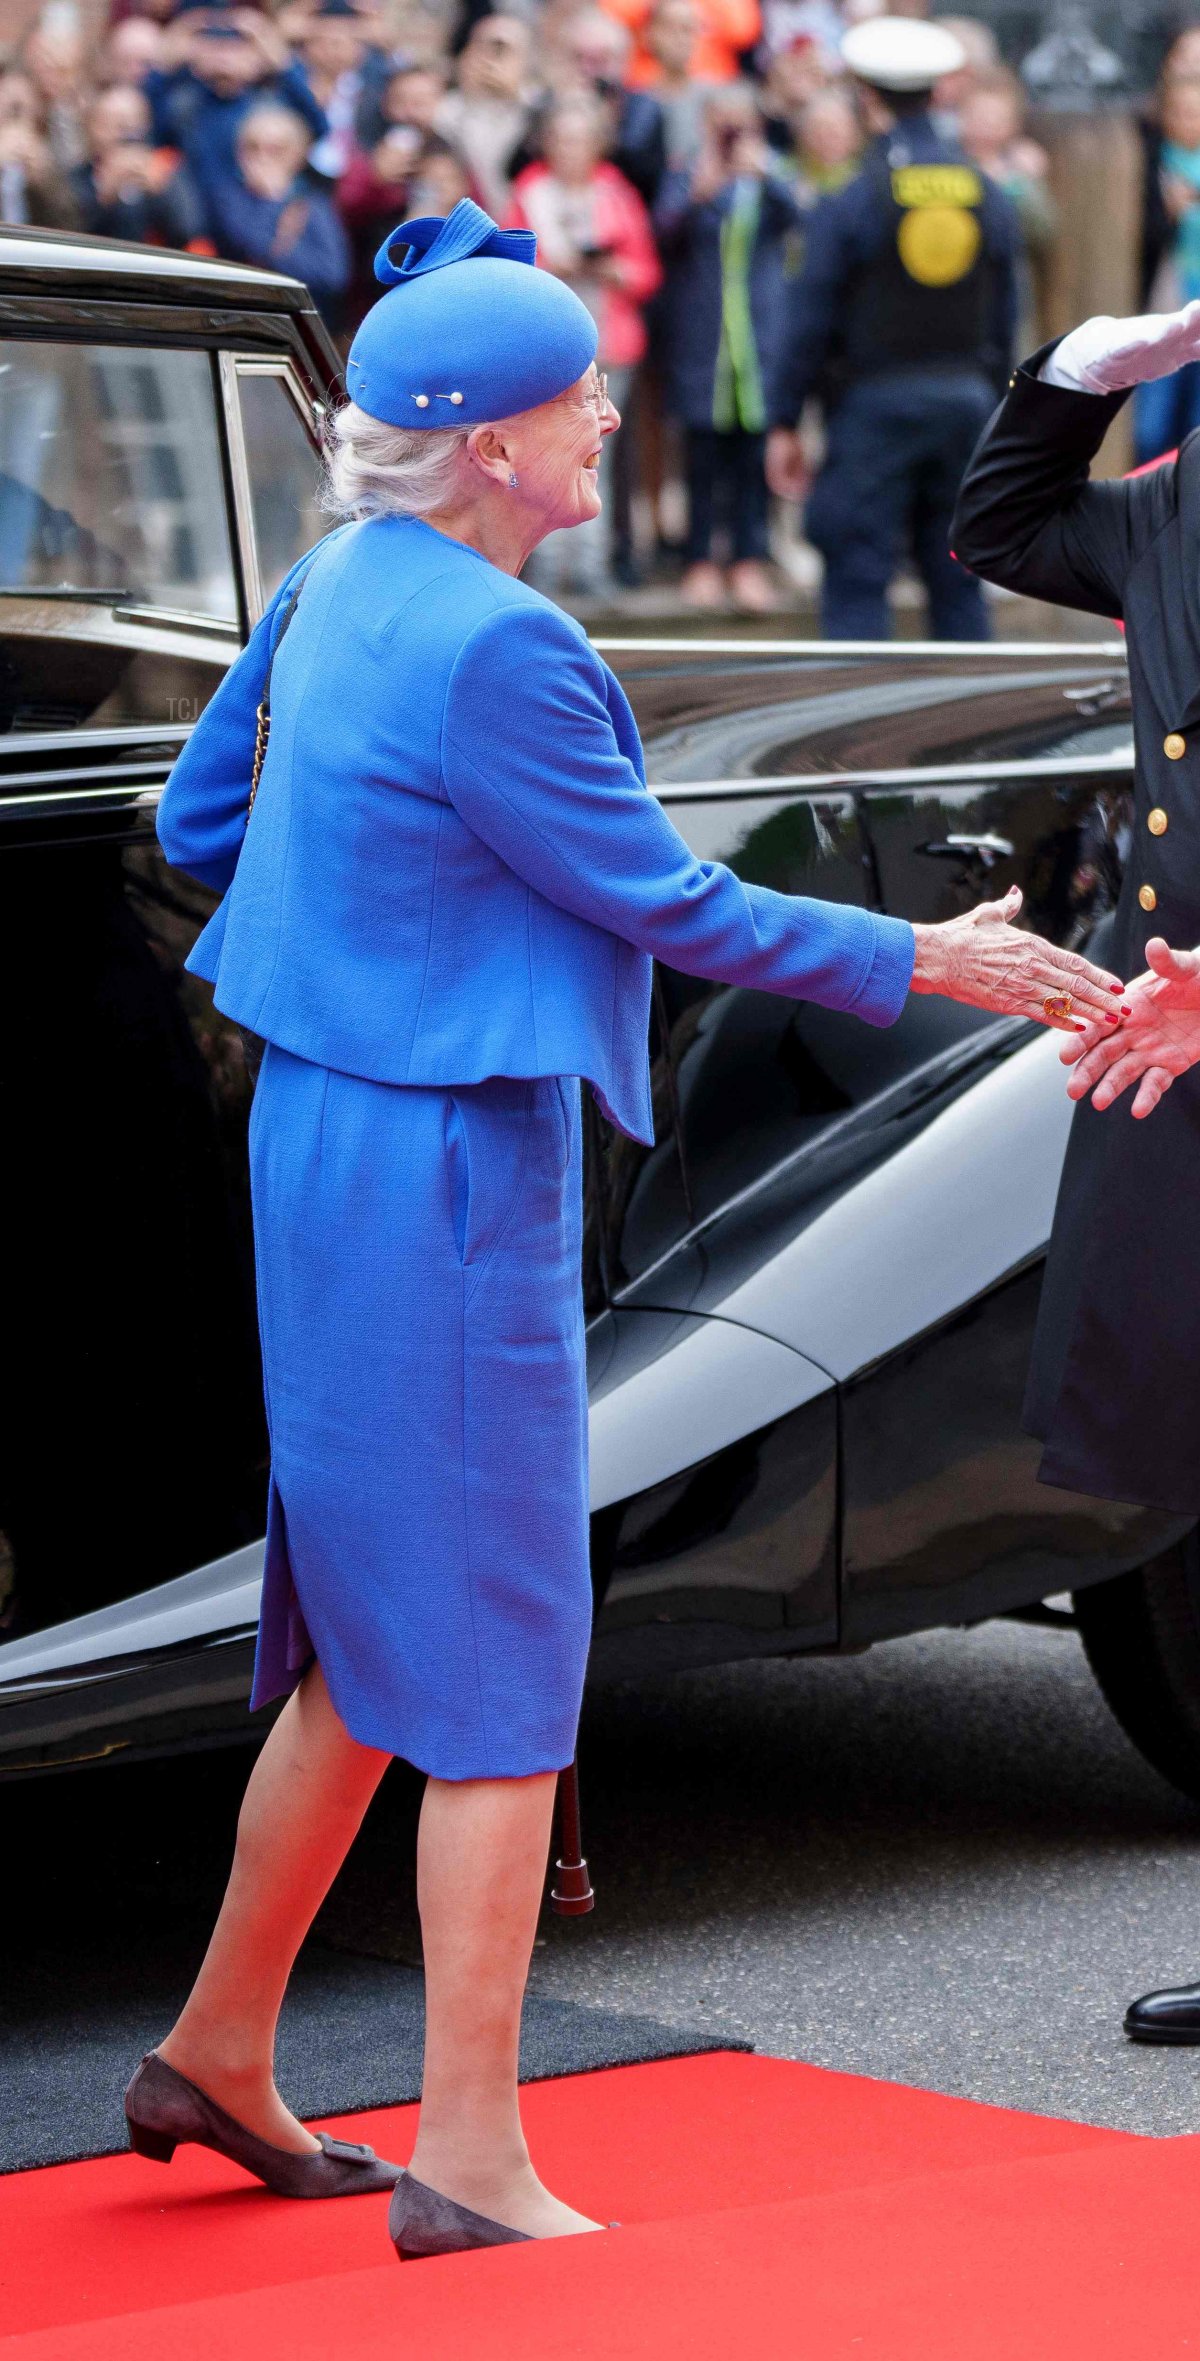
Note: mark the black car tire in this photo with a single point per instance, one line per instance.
(1141, 1635)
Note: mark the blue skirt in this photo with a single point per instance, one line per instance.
(421, 1314)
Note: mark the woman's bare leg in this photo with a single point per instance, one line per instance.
(308, 1792)
(481, 1865)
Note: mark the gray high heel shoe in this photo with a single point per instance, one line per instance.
(422, 2222)
(163, 2110)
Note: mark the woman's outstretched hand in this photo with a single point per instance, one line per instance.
(982, 959)
(1158, 1042)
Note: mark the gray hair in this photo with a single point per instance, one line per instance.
(373, 469)
(273, 110)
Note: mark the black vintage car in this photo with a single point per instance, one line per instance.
(810, 1303)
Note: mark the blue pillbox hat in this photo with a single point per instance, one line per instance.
(469, 329)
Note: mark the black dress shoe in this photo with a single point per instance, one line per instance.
(1166, 2016)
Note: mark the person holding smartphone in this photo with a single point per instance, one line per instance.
(729, 234)
(128, 188)
(218, 64)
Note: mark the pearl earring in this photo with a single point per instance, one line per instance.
(512, 479)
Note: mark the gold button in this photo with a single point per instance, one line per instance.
(1174, 746)
(1158, 823)
(1147, 897)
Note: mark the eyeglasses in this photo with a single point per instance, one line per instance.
(596, 397)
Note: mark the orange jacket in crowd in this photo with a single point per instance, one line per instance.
(726, 28)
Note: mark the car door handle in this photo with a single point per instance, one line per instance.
(987, 850)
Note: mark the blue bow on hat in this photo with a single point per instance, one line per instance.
(435, 240)
(467, 330)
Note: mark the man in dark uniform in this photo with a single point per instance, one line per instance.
(1113, 1390)
(902, 319)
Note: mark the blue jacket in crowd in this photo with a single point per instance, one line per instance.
(244, 226)
(454, 867)
(189, 115)
(692, 306)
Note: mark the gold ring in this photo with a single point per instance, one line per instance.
(1058, 1006)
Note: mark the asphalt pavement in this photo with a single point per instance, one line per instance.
(940, 1863)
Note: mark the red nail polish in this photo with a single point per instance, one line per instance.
(1116, 987)
(1109, 1020)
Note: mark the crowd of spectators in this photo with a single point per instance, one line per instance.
(666, 152)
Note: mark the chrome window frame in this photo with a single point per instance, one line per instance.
(234, 366)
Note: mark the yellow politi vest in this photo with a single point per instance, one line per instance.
(926, 293)
(939, 235)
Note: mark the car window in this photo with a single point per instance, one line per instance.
(111, 481)
(285, 475)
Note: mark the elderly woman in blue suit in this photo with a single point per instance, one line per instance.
(440, 917)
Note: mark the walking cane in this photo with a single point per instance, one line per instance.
(571, 1893)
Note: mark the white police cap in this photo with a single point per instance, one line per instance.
(901, 53)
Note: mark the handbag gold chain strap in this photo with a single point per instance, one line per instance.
(262, 718)
(262, 732)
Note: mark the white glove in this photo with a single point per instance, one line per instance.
(1104, 356)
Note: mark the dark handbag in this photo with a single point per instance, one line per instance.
(262, 719)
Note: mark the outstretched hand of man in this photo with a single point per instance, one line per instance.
(1158, 1041)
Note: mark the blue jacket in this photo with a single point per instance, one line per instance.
(454, 867)
(246, 227)
(188, 114)
(690, 307)
(845, 232)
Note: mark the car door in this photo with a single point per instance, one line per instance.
(803, 1133)
(861, 777)
(133, 1438)
(1024, 778)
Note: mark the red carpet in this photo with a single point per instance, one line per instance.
(767, 2208)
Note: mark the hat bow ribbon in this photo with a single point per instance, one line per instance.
(429, 243)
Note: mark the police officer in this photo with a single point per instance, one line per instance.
(902, 319)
